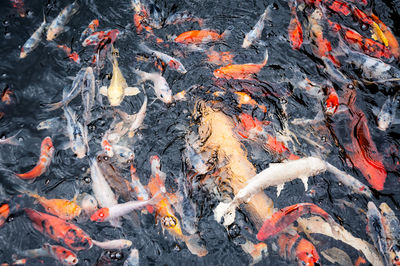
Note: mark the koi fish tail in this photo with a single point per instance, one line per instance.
(52, 106)
(13, 139)
(265, 57)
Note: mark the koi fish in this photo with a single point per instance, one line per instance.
(114, 244)
(256, 31)
(243, 71)
(59, 253)
(57, 25)
(11, 140)
(6, 95)
(161, 87)
(391, 39)
(19, 6)
(107, 147)
(59, 230)
(88, 93)
(88, 203)
(295, 30)
(169, 60)
(281, 219)
(316, 225)
(366, 157)
(136, 120)
(169, 221)
(376, 231)
(200, 36)
(77, 133)
(332, 101)
(140, 190)
(123, 154)
(34, 40)
(93, 25)
(4, 213)
(244, 98)
(118, 88)
(183, 16)
(133, 258)
(62, 208)
(387, 114)
(219, 58)
(46, 155)
(116, 211)
(70, 93)
(74, 56)
(120, 185)
(101, 189)
(278, 147)
(392, 232)
(296, 248)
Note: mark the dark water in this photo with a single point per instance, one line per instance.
(41, 77)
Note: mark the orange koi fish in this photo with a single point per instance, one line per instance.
(200, 36)
(244, 98)
(244, 71)
(332, 101)
(6, 95)
(219, 58)
(60, 230)
(62, 208)
(46, 155)
(4, 213)
(391, 39)
(363, 152)
(73, 56)
(281, 219)
(295, 30)
(296, 248)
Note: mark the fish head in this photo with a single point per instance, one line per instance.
(115, 99)
(51, 34)
(395, 254)
(165, 95)
(23, 54)
(65, 256)
(126, 243)
(218, 73)
(100, 215)
(383, 121)
(306, 253)
(47, 144)
(89, 204)
(80, 150)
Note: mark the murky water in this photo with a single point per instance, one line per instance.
(41, 77)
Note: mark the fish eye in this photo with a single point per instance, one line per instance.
(101, 214)
(162, 96)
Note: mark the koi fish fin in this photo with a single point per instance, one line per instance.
(279, 189)
(195, 246)
(52, 106)
(103, 90)
(131, 91)
(305, 182)
(13, 139)
(265, 57)
(226, 211)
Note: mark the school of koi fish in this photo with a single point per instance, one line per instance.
(272, 144)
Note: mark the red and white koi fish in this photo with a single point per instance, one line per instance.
(332, 101)
(33, 41)
(92, 27)
(59, 230)
(169, 60)
(46, 155)
(59, 253)
(57, 25)
(116, 211)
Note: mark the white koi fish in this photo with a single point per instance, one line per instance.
(113, 244)
(161, 87)
(255, 33)
(77, 133)
(33, 41)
